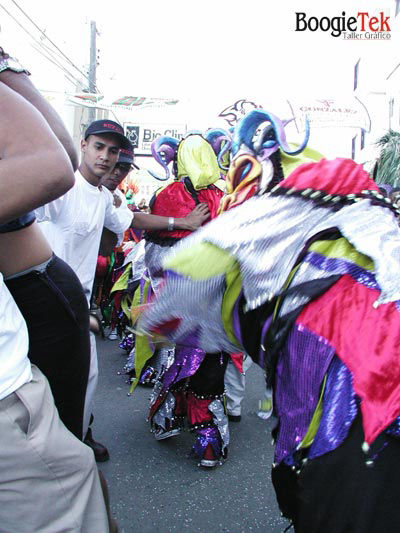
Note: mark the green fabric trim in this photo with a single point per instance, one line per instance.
(122, 281)
(233, 288)
(201, 261)
(342, 249)
(126, 305)
(291, 162)
(315, 421)
(285, 286)
(142, 344)
(135, 300)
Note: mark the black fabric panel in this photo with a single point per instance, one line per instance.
(209, 378)
(339, 493)
(251, 324)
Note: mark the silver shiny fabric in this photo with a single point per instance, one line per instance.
(374, 231)
(154, 256)
(130, 361)
(266, 234)
(165, 412)
(216, 407)
(163, 360)
(306, 272)
(155, 392)
(136, 257)
(199, 306)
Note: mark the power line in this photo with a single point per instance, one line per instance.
(48, 51)
(52, 53)
(69, 77)
(69, 74)
(48, 38)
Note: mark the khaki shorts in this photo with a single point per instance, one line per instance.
(49, 481)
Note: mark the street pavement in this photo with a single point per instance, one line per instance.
(156, 488)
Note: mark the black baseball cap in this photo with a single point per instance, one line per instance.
(127, 157)
(108, 126)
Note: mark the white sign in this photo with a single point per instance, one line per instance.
(336, 113)
(142, 135)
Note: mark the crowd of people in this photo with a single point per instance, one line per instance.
(255, 251)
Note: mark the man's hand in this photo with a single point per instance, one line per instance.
(197, 217)
(191, 222)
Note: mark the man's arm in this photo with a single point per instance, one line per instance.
(34, 167)
(21, 84)
(191, 222)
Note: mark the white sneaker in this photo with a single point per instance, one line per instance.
(113, 335)
(265, 408)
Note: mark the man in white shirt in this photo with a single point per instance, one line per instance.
(74, 222)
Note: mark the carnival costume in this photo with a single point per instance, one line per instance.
(190, 382)
(114, 281)
(307, 281)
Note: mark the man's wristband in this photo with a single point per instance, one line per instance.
(171, 222)
(10, 63)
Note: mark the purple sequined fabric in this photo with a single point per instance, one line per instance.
(186, 362)
(301, 368)
(342, 266)
(339, 411)
(236, 321)
(204, 438)
(127, 343)
(394, 428)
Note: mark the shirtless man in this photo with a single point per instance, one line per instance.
(29, 422)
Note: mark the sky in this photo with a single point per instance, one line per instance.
(181, 47)
(208, 53)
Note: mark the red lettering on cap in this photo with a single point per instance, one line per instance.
(112, 127)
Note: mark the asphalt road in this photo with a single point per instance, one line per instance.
(155, 487)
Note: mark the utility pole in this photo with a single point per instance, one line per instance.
(92, 66)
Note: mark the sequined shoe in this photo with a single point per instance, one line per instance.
(209, 459)
(160, 433)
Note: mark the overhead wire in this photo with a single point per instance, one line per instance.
(70, 79)
(48, 51)
(52, 42)
(76, 80)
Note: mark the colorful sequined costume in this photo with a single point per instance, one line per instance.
(307, 281)
(115, 280)
(190, 382)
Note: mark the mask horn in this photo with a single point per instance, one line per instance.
(164, 150)
(247, 128)
(221, 142)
